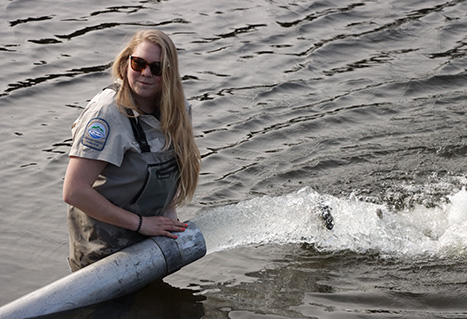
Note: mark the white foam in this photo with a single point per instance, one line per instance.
(359, 226)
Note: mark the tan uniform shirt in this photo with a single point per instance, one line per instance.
(103, 132)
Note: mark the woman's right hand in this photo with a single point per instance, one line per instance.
(161, 226)
(78, 191)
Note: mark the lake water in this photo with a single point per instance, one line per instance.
(357, 105)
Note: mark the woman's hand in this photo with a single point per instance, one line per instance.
(77, 191)
(161, 226)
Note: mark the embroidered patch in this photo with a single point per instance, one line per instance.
(96, 133)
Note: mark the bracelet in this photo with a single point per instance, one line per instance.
(140, 223)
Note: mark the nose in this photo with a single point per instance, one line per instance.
(146, 71)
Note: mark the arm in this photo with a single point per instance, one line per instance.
(77, 191)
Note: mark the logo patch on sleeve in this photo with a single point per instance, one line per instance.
(96, 133)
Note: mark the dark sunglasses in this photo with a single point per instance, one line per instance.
(139, 64)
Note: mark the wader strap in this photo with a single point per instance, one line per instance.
(138, 131)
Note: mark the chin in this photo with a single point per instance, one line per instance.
(146, 93)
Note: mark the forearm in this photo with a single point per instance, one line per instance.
(95, 205)
(98, 207)
(78, 191)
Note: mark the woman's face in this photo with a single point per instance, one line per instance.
(145, 85)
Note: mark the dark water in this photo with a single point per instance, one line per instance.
(358, 105)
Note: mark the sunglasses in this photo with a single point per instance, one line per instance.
(139, 64)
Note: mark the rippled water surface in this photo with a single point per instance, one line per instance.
(357, 105)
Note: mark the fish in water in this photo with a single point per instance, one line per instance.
(325, 214)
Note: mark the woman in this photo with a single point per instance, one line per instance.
(133, 159)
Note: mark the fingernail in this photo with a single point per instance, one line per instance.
(176, 236)
(186, 225)
(183, 229)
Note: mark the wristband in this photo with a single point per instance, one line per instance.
(140, 223)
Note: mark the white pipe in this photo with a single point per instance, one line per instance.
(118, 274)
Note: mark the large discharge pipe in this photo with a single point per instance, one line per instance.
(116, 275)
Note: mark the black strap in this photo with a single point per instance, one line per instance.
(138, 132)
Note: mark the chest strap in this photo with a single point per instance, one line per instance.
(138, 131)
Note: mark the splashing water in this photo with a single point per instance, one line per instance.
(359, 226)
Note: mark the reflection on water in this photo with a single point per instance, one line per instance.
(298, 281)
(157, 300)
(361, 103)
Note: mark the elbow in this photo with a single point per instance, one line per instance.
(67, 197)
(70, 195)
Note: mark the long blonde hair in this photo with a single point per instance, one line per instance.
(175, 121)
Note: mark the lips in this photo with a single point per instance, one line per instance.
(145, 83)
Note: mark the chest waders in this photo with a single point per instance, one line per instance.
(91, 239)
(162, 178)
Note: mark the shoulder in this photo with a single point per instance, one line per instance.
(102, 131)
(103, 103)
(102, 107)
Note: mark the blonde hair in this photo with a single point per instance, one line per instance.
(175, 121)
